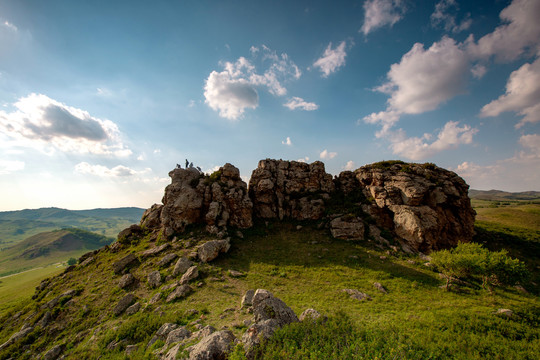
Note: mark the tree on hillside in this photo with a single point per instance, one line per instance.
(72, 261)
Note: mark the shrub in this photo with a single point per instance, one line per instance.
(72, 261)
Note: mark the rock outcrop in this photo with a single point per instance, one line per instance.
(217, 201)
(289, 189)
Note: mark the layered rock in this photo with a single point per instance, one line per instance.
(426, 206)
(289, 189)
(217, 201)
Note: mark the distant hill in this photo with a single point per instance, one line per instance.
(18, 225)
(498, 195)
(49, 247)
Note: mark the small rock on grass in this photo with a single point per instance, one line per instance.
(355, 294)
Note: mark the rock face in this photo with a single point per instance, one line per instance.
(347, 229)
(426, 206)
(289, 189)
(214, 346)
(218, 201)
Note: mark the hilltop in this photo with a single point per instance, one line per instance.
(498, 195)
(181, 282)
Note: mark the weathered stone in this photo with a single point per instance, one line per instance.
(53, 352)
(124, 263)
(380, 287)
(167, 259)
(214, 346)
(151, 217)
(309, 314)
(181, 266)
(347, 228)
(133, 308)
(123, 304)
(130, 349)
(355, 294)
(258, 332)
(191, 273)
(129, 234)
(87, 261)
(235, 274)
(162, 333)
(203, 332)
(155, 298)
(266, 306)
(155, 250)
(211, 249)
(247, 299)
(154, 279)
(177, 335)
(47, 317)
(126, 281)
(18, 335)
(506, 312)
(179, 293)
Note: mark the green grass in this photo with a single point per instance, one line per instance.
(15, 288)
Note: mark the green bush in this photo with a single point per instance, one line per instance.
(72, 261)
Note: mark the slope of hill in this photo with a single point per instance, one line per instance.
(19, 225)
(498, 195)
(48, 248)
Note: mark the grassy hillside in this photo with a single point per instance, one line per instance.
(49, 247)
(498, 195)
(416, 319)
(16, 226)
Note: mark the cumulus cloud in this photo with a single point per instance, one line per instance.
(119, 171)
(304, 159)
(378, 13)
(299, 103)
(445, 16)
(521, 32)
(417, 148)
(349, 166)
(233, 90)
(40, 120)
(522, 95)
(332, 59)
(10, 166)
(287, 141)
(325, 154)
(531, 143)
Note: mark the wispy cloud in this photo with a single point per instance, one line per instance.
(10, 26)
(40, 121)
(299, 103)
(445, 16)
(379, 13)
(10, 166)
(332, 59)
(287, 141)
(325, 154)
(119, 171)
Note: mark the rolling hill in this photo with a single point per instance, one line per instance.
(498, 195)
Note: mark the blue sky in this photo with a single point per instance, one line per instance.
(100, 99)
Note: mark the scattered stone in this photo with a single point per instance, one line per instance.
(382, 257)
(123, 304)
(155, 250)
(47, 317)
(116, 345)
(179, 293)
(521, 289)
(170, 286)
(125, 262)
(214, 346)
(247, 299)
(380, 287)
(181, 266)
(266, 306)
(133, 232)
(86, 262)
(190, 274)
(162, 333)
(235, 274)
(133, 308)
(247, 322)
(126, 280)
(53, 352)
(167, 259)
(18, 335)
(191, 312)
(347, 228)
(506, 312)
(211, 249)
(298, 227)
(177, 335)
(154, 279)
(355, 294)
(130, 349)
(155, 298)
(256, 333)
(239, 234)
(412, 262)
(310, 314)
(203, 332)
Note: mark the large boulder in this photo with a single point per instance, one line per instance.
(427, 207)
(266, 307)
(211, 249)
(215, 346)
(290, 189)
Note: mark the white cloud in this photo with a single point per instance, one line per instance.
(299, 103)
(327, 155)
(332, 59)
(416, 148)
(104, 92)
(42, 122)
(445, 16)
(191, 103)
(10, 26)
(531, 143)
(349, 166)
(233, 90)
(212, 170)
(10, 166)
(522, 95)
(520, 32)
(157, 151)
(304, 159)
(287, 141)
(387, 119)
(119, 171)
(478, 70)
(378, 13)
(140, 157)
